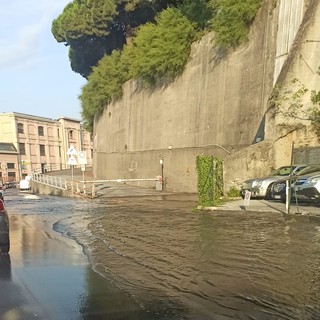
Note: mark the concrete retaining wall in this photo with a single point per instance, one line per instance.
(41, 188)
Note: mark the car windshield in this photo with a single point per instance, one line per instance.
(284, 171)
(309, 169)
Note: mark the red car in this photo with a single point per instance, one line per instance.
(4, 230)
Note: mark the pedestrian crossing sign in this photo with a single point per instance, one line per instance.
(72, 161)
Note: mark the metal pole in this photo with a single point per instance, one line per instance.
(71, 180)
(288, 183)
(84, 183)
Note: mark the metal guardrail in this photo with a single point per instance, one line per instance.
(82, 188)
(52, 181)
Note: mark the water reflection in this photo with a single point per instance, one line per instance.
(5, 267)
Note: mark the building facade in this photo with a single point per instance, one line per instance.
(36, 144)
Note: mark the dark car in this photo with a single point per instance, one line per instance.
(278, 190)
(4, 229)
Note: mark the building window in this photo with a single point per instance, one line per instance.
(22, 148)
(23, 165)
(10, 165)
(11, 176)
(40, 131)
(59, 151)
(42, 150)
(43, 168)
(58, 132)
(20, 128)
(71, 134)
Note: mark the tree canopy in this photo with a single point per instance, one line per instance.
(93, 28)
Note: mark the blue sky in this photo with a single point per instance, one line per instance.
(35, 73)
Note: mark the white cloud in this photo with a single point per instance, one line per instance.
(25, 27)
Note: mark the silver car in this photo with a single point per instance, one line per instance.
(307, 187)
(279, 187)
(261, 187)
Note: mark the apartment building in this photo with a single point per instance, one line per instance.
(36, 144)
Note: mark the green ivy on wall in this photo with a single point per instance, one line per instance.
(210, 180)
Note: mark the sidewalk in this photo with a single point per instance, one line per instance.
(270, 206)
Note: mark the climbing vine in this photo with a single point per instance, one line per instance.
(210, 180)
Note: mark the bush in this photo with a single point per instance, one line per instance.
(161, 50)
(233, 192)
(232, 20)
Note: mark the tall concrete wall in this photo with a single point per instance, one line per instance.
(217, 107)
(302, 63)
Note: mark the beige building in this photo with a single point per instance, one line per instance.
(36, 144)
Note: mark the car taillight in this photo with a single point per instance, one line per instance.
(1, 205)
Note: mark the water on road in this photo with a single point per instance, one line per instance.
(175, 263)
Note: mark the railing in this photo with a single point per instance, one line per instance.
(82, 188)
(57, 182)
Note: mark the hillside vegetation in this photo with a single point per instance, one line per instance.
(147, 40)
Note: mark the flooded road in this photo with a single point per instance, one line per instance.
(173, 263)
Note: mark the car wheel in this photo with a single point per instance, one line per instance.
(268, 193)
(283, 198)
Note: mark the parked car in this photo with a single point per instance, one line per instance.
(261, 187)
(24, 184)
(11, 185)
(307, 187)
(278, 189)
(4, 230)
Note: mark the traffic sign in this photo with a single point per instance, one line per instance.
(82, 157)
(72, 161)
(72, 151)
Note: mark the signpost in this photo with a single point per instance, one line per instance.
(82, 160)
(72, 161)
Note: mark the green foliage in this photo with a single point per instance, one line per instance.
(289, 100)
(291, 103)
(232, 19)
(93, 28)
(210, 180)
(84, 18)
(197, 11)
(104, 85)
(161, 50)
(233, 192)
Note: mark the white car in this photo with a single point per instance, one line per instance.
(308, 187)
